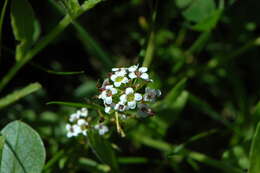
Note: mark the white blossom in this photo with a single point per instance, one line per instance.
(73, 130)
(130, 97)
(107, 94)
(102, 129)
(119, 78)
(136, 72)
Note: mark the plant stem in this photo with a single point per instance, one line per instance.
(151, 42)
(118, 127)
(44, 42)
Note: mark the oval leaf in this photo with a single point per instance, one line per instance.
(23, 150)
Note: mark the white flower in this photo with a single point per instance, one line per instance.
(107, 94)
(102, 129)
(83, 126)
(74, 117)
(136, 72)
(119, 78)
(119, 70)
(130, 97)
(151, 94)
(73, 130)
(107, 109)
(83, 112)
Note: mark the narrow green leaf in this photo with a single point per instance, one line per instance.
(171, 97)
(132, 160)
(103, 150)
(92, 46)
(75, 104)
(16, 95)
(26, 27)
(56, 72)
(23, 150)
(93, 166)
(255, 152)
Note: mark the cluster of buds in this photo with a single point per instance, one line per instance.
(80, 123)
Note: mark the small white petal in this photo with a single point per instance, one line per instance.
(125, 80)
(132, 75)
(143, 69)
(69, 135)
(68, 127)
(113, 77)
(108, 87)
(84, 132)
(115, 69)
(81, 122)
(131, 105)
(107, 109)
(123, 98)
(133, 68)
(144, 76)
(117, 84)
(108, 100)
(159, 93)
(138, 97)
(114, 91)
(129, 90)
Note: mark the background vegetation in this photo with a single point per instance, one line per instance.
(202, 54)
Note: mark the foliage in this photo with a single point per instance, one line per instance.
(202, 55)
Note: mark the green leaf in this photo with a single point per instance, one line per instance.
(26, 27)
(199, 10)
(255, 152)
(103, 150)
(23, 150)
(182, 3)
(175, 92)
(208, 23)
(16, 95)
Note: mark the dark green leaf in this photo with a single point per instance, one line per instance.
(25, 26)
(208, 23)
(23, 150)
(103, 150)
(255, 152)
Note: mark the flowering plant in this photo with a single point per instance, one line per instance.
(124, 94)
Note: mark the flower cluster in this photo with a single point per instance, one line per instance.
(80, 123)
(125, 89)
(124, 93)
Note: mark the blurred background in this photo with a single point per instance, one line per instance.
(206, 53)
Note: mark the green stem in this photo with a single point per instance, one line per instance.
(1, 23)
(151, 42)
(118, 127)
(44, 42)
